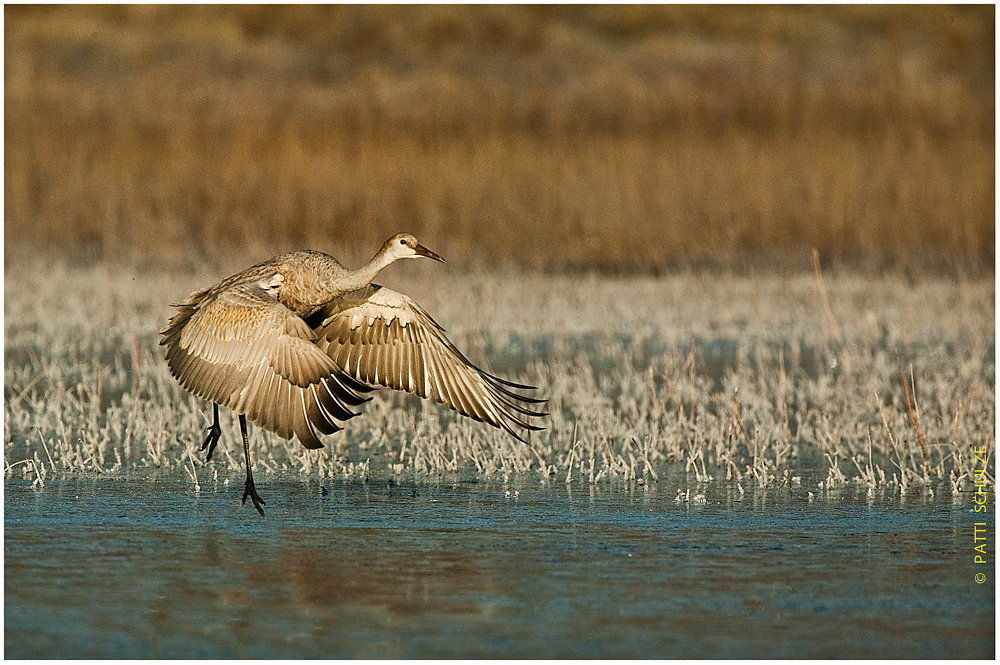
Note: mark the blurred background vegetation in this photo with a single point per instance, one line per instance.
(616, 138)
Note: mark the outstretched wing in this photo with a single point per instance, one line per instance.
(382, 337)
(243, 349)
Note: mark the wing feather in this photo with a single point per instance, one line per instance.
(382, 337)
(241, 348)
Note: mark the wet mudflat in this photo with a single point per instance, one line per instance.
(114, 568)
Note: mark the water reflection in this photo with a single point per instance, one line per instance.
(136, 570)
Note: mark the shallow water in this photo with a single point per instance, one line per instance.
(108, 568)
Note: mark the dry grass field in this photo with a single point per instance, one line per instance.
(753, 384)
(629, 199)
(616, 139)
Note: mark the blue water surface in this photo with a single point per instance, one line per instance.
(106, 568)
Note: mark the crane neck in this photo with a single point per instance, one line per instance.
(364, 276)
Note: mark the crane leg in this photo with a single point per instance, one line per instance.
(250, 490)
(214, 432)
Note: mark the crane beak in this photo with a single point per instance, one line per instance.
(423, 251)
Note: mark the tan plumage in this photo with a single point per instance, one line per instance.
(293, 343)
(381, 337)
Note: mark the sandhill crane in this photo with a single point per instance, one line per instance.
(293, 344)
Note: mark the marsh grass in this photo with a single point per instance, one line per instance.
(704, 381)
(597, 138)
